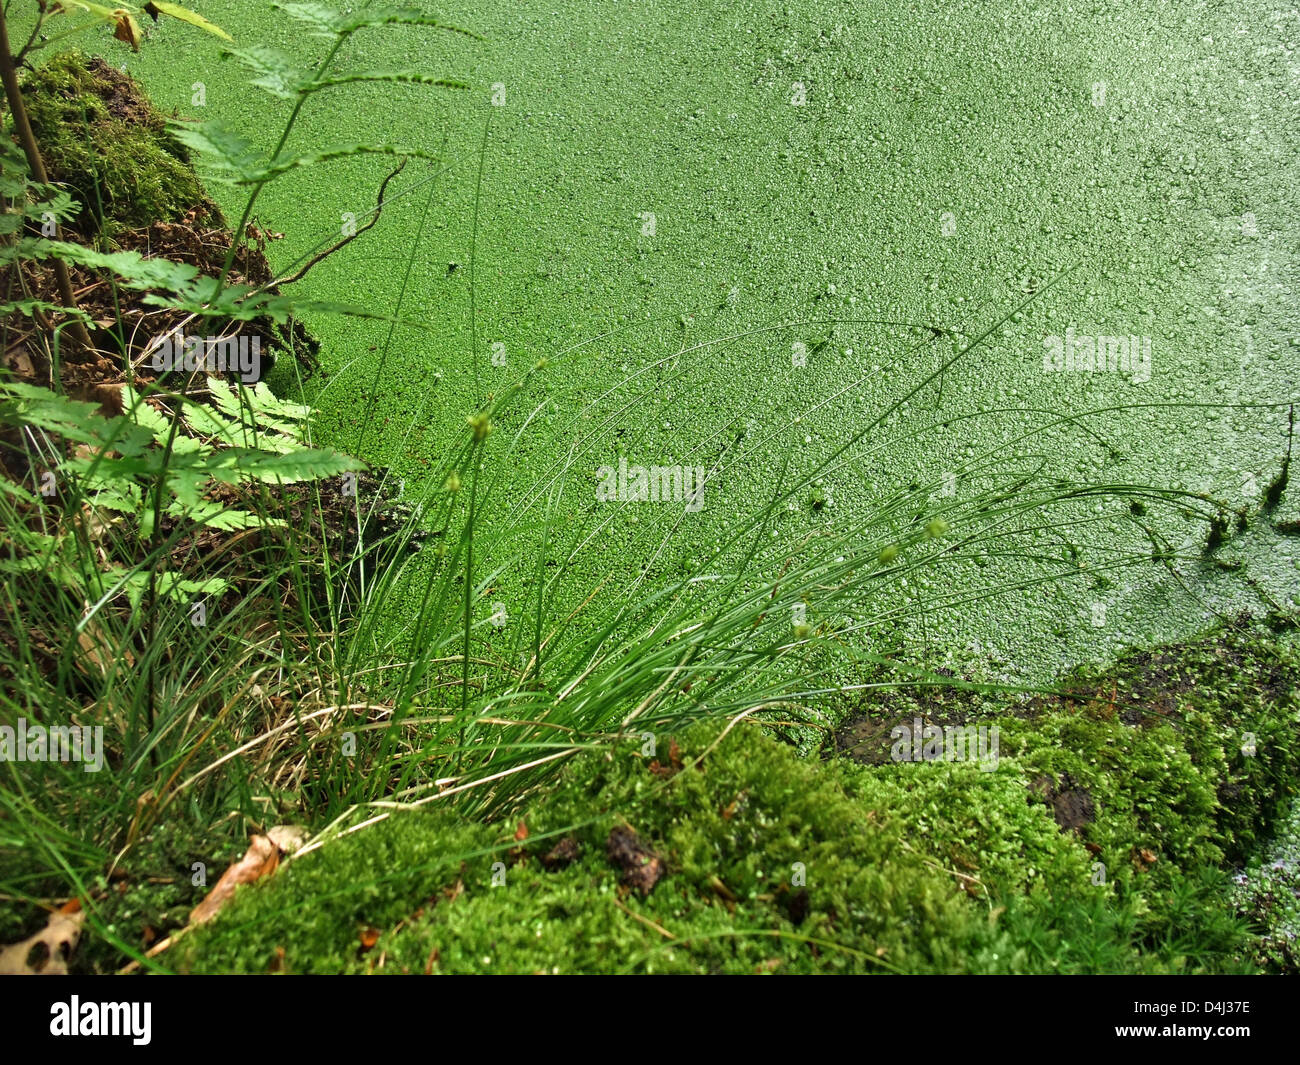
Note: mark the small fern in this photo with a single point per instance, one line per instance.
(116, 461)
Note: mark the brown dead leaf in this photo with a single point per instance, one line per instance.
(261, 859)
(674, 765)
(17, 359)
(56, 941)
(519, 854)
(126, 29)
(93, 639)
(108, 394)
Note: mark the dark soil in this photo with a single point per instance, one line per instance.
(640, 866)
(1071, 804)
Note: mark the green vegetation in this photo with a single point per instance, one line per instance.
(921, 867)
(821, 225)
(122, 165)
(461, 658)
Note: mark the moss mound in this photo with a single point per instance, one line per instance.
(1158, 775)
(731, 837)
(103, 140)
(735, 855)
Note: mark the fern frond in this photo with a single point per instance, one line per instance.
(276, 72)
(161, 7)
(411, 77)
(330, 22)
(222, 147)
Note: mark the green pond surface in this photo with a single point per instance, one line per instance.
(667, 198)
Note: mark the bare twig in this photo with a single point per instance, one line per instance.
(23, 127)
(379, 207)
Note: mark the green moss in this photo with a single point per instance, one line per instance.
(149, 894)
(102, 139)
(917, 867)
(975, 823)
(732, 832)
(1190, 750)
(1178, 762)
(1266, 892)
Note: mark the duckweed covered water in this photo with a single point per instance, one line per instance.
(677, 204)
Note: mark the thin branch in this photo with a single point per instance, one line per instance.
(23, 127)
(379, 206)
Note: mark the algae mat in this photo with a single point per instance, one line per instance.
(703, 214)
